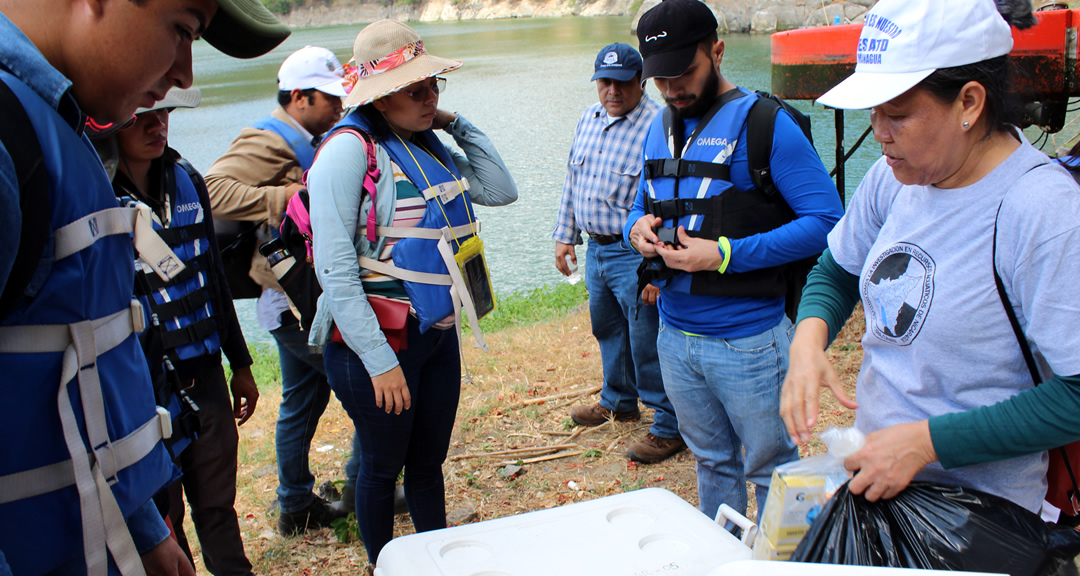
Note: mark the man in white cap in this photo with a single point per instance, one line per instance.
(720, 242)
(83, 454)
(253, 182)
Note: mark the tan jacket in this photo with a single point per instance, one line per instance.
(248, 184)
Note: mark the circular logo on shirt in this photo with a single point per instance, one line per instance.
(897, 291)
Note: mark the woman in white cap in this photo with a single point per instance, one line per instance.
(958, 197)
(393, 360)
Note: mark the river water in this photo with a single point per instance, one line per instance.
(525, 82)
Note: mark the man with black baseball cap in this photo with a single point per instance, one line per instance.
(83, 453)
(719, 246)
(602, 177)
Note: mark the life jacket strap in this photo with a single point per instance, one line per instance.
(681, 168)
(192, 267)
(135, 219)
(446, 191)
(188, 304)
(194, 332)
(103, 527)
(429, 233)
(388, 269)
(678, 207)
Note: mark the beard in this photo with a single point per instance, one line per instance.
(701, 102)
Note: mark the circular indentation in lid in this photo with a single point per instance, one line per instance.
(630, 517)
(663, 545)
(465, 551)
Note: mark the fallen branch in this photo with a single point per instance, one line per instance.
(560, 396)
(595, 428)
(624, 435)
(542, 458)
(534, 449)
(556, 433)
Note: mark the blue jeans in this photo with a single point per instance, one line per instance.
(727, 393)
(415, 440)
(627, 344)
(304, 396)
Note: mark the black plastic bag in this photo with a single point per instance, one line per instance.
(940, 528)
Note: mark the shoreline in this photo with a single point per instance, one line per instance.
(733, 16)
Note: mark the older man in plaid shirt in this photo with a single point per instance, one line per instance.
(601, 180)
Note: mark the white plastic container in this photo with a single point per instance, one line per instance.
(762, 568)
(645, 532)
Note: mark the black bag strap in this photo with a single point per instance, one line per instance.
(761, 123)
(1029, 358)
(21, 142)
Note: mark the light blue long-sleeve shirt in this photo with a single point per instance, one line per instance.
(338, 205)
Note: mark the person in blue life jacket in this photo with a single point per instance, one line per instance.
(391, 350)
(191, 322)
(722, 266)
(252, 183)
(84, 453)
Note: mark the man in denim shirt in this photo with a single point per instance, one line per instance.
(601, 181)
(60, 511)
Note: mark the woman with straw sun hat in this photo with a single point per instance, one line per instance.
(958, 199)
(383, 233)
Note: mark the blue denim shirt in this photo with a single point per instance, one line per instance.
(20, 57)
(338, 204)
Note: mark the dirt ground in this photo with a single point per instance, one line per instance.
(516, 398)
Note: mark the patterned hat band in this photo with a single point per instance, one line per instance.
(392, 60)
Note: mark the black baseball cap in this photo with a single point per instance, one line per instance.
(668, 35)
(618, 62)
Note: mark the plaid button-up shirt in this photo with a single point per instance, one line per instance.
(603, 172)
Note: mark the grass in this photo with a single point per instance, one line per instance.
(532, 306)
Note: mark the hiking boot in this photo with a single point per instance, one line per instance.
(596, 415)
(318, 514)
(348, 501)
(652, 449)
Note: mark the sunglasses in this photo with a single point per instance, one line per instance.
(419, 94)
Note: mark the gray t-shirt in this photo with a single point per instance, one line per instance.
(937, 338)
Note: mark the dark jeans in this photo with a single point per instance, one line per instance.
(209, 480)
(304, 395)
(416, 440)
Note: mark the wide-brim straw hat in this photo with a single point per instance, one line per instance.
(389, 56)
(176, 98)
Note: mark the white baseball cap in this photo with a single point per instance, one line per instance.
(312, 67)
(904, 41)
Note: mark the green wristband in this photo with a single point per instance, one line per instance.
(725, 252)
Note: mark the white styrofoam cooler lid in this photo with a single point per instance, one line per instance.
(650, 531)
(763, 568)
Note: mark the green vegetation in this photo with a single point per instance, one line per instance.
(536, 305)
(346, 529)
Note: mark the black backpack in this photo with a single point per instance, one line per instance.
(762, 121)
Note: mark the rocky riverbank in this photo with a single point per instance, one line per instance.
(760, 16)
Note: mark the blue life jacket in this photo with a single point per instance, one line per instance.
(184, 306)
(78, 405)
(448, 205)
(695, 191)
(301, 146)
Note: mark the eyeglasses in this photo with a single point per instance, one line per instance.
(420, 93)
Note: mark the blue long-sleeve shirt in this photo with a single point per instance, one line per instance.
(805, 185)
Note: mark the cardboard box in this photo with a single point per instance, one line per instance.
(791, 498)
